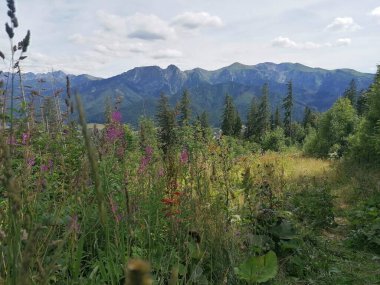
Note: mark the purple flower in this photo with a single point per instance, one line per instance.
(25, 138)
(44, 168)
(116, 117)
(30, 161)
(114, 133)
(149, 151)
(144, 162)
(184, 157)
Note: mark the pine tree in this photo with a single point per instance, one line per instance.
(361, 103)
(205, 126)
(184, 109)
(251, 127)
(309, 118)
(277, 119)
(288, 110)
(351, 92)
(237, 125)
(229, 117)
(166, 122)
(263, 116)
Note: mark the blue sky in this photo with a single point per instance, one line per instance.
(105, 38)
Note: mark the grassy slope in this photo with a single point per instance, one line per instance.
(347, 266)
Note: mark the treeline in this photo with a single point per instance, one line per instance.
(350, 128)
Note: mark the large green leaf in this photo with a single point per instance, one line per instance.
(258, 268)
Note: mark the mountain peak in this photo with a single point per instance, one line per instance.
(172, 67)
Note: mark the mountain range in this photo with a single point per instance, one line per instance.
(140, 87)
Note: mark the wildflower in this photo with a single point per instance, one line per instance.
(114, 133)
(149, 151)
(116, 117)
(184, 157)
(168, 201)
(144, 162)
(30, 161)
(44, 168)
(25, 138)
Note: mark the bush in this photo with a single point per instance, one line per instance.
(274, 140)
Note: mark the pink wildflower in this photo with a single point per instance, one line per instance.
(44, 168)
(25, 138)
(114, 133)
(116, 117)
(30, 161)
(149, 151)
(184, 157)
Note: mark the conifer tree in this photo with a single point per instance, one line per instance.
(237, 125)
(166, 122)
(309, 118)
(361, 103)
(229, 117)
(184, 109)
(263, 116)
(351, 92)
(288, 110)
(205, 126)
(277, 119)
(251, 126)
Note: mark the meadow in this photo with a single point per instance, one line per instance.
(174, 201)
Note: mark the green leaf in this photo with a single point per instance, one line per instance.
(284, 230)
(258, 268)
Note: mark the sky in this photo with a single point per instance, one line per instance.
(106, 38)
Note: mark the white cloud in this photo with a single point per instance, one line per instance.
(167, 53)
(343, 42)
(284, 42)
(193, 20)
(77, 38)
(146, 27)
(376, 12)
(112, 23)
(149, 27)
(343, 24)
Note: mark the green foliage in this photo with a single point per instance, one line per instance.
(184, 109)
(365, 146)
(313, 206)
(365, 225)
(231, 122)
(288, 110)
(309, 119)
(263, 114)
(258, 269)
(351, 92)
(274, 140)
(276, 119)
(252, 120)
(166, 122)
(334, 130)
